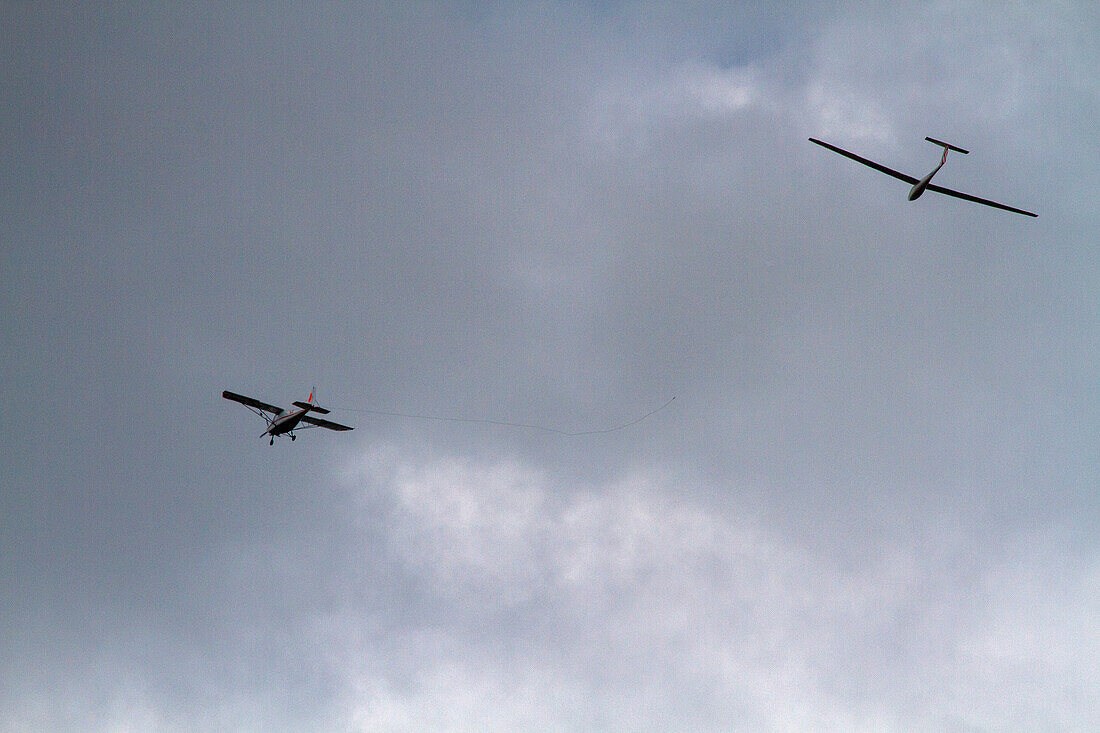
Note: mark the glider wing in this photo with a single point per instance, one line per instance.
(877, 166)
(975, 199)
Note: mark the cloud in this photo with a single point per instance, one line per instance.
(870, 507)
(1038, 646)
(628, 604)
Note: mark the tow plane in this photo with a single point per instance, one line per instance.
(919, 186)
(285, 421)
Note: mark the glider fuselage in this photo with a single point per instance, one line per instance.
(920, 186)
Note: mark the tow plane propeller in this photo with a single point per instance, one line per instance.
(923, 184)
(285, 421)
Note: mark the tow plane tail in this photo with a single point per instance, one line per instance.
(309, 406)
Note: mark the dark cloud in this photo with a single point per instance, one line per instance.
(870, 506)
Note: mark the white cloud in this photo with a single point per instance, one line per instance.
(633, 112)
(458, 695)
(657, 605)
(1036, 655)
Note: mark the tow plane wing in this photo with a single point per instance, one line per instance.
(318, 422)
(250, 402)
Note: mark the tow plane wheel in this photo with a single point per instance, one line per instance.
(293, 438)
(272, 442)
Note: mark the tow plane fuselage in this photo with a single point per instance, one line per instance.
(285, 422)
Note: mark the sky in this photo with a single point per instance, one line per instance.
(871, 506)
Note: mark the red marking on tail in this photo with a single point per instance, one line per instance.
(944, 158)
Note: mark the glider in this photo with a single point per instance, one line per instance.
(924, 184)
(284, 422)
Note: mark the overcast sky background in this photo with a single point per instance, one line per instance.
(873, 504)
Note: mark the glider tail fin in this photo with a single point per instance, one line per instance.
(947, 146)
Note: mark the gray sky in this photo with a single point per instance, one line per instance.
(872, 506)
